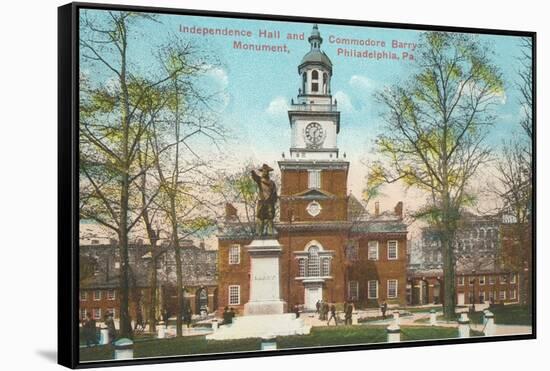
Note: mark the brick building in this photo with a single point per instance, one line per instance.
(333, 250)
(480, 274)
(99, 288)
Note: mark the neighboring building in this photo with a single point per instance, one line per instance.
(332, 249)
(479, 273)
(99, 290)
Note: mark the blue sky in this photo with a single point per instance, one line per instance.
(258, 86)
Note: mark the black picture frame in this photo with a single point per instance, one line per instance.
(68, 170)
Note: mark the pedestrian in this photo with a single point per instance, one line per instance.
(89, 330)
(332, 315)
(325, 311)
(110, 324)
(317, 306)
(348, 310)
(384, 308)
(187, 315)
(297, 310)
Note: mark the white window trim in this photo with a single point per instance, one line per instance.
(238, 294)
(377, 251)
(238, 255)
(460, 280)
(500, 297)
(99, 313)
(481, 280)
(83, 313)
(396, 250)
(514, 296)
(369, 287)
(356, 291)
(83, 295)
(314, 179)
(114, 295)
(388, 289)
(513, 278)
(94, 297)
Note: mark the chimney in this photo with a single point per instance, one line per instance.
(201, 245)
(398, 209)
(376, 209)
(230, 211)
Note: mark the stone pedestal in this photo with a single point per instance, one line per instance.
(264, 278)
(124, 349)
(103, 336)
(464, 326)
(433, 317)
(489, 319)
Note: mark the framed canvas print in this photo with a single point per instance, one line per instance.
(237, 185)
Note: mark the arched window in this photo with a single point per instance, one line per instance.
(325, 83)
(314, 81)
(304, 81)
(313, 263)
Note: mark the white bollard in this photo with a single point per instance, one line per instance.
(394, 333)
(396, 318)
(433, 317)
(489, 319)
(269, 342)
(355, 318)
(104, 336)
(124, 349)
(464, 325)
(215, 325)
(161, 330)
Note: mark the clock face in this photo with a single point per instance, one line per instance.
(314, 208)
(314, 134)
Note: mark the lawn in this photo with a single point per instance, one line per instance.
(507, 315)
(319, 336)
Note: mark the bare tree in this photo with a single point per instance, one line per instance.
(435, 132)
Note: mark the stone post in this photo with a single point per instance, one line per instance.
(161, 330)
(355, 318)
(269, 342)
(464, 325)
(433, 317)
(394, 333)
(124, 349)
(396, 318)
(489, 319)
(215, 325)
(103, 336)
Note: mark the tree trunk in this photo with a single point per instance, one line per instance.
(179, 272)
(449, 302)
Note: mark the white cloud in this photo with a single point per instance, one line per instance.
(219, 75)
(278, 106)
(361, 82)
(344, 101)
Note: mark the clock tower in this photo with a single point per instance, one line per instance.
(314, 178)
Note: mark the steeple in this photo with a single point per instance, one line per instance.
(315, 39)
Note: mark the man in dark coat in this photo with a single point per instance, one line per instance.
(348, 312)
(187, 315)
(384, 308)
(317, 306)
(227, 318)
(89, 330)
(333, 315)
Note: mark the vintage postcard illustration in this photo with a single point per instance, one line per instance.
(259, 185)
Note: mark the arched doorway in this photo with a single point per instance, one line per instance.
(201, 298)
